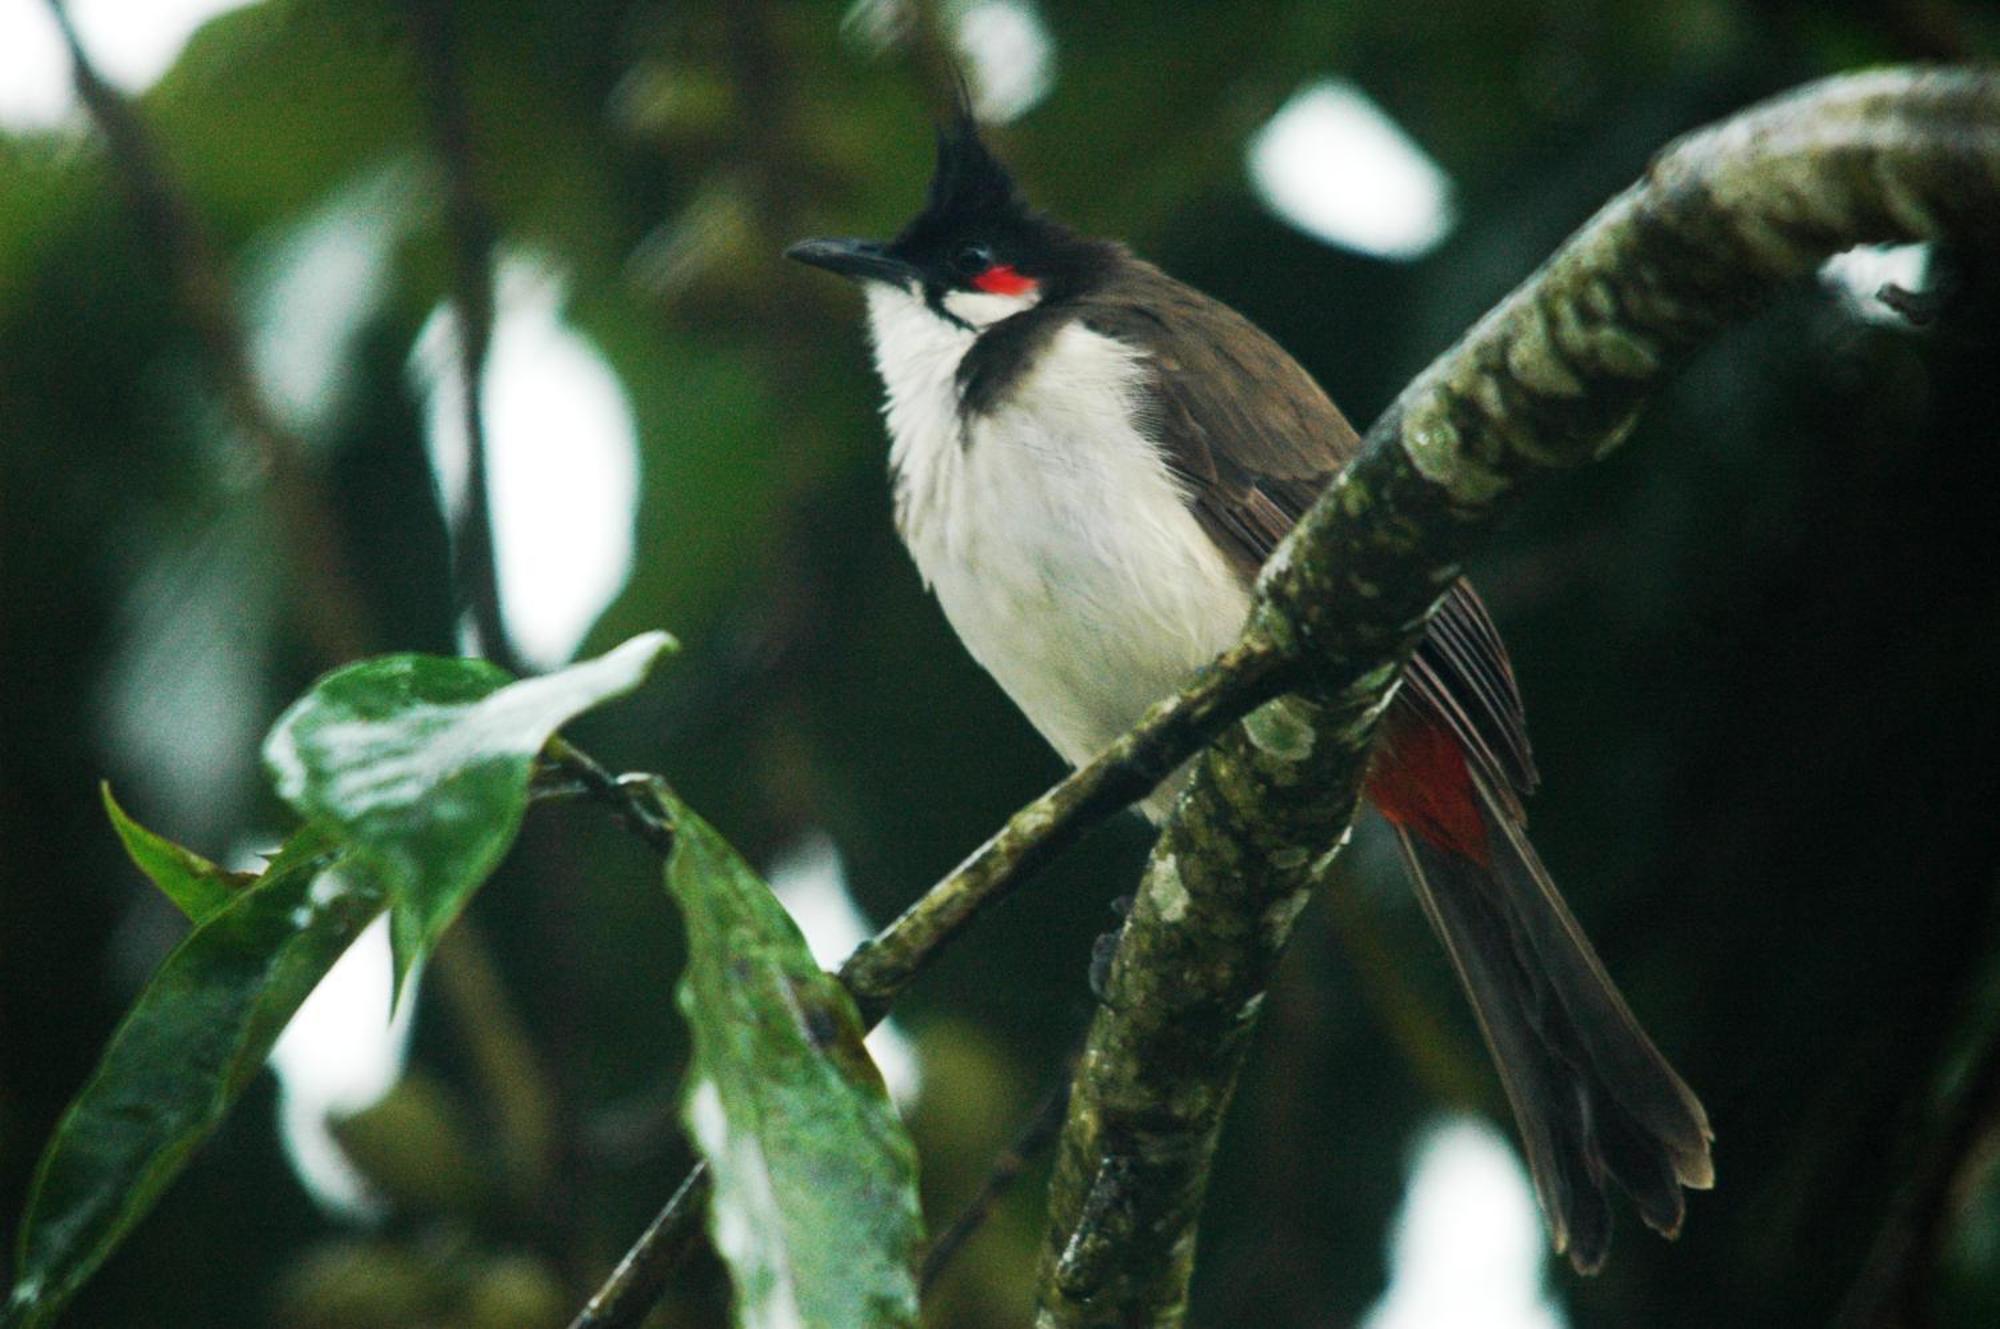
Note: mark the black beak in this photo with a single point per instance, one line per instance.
(863, 260)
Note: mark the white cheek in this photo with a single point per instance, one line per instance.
(914, 348)
(980, 308)
(898, 320)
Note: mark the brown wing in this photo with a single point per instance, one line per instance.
(1254, 439)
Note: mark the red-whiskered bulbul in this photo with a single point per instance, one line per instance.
(1091, 461)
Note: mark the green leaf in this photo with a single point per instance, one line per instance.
(815, 1203)
(197, 1035)
(196, 886)
(420, 766)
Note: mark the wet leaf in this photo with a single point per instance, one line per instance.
(197, 1035)
(815, 1203)
(196, 886)
(420, 764)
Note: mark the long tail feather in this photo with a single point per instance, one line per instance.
(1594, 1099)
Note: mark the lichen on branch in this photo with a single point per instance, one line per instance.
(1551, 378)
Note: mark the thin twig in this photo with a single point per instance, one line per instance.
(334, 615)
(629, 797)
(1037, 1135)
(629, 1293)
(640, 1280)
(330, 608)
(1552, 378)
(1253, 671)
(1250, 673)
(475, 571)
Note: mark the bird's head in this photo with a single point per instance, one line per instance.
(977, 252)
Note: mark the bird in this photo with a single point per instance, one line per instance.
(1090, 463)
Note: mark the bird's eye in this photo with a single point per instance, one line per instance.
(972, 259)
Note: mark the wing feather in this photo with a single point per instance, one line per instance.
(1253, 440)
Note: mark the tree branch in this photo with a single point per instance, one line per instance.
(330, 609)
(338, 623)
(1036, 1134)
(1552, 378)
(471, 229)
(1249, 673)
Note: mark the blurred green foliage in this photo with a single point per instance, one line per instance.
(1757, 648)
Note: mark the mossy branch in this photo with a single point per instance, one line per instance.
(881, 968)
(1552, 378)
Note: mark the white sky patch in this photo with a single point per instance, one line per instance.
(341, 1053)
(132, 42)
(1010, 55)
(810, 881)
(1859, 275)
(311, 292)
(1468, 1248)
(1334, 165)
(562, 459)
(181, 701)
(875, 25)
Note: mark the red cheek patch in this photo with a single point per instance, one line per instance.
(1001, 279)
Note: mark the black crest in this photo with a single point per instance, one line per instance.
(973, 200)
(969, 181)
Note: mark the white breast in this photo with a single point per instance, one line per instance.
(1054, 537)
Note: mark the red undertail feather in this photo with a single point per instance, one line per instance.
(1598, 1107)
(1420, 784)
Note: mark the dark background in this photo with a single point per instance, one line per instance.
(1759, 646)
